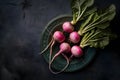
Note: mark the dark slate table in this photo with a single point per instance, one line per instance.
(21, 24)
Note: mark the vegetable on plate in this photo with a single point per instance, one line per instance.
(89, 27)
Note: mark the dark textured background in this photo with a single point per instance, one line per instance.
(21, 24)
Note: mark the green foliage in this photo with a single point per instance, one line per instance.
(79, 7)
(98, 20)
(97, 38)
(94, 26)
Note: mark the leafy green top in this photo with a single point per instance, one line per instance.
(79, 8)
(94, 26)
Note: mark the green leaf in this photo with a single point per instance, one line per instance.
(100, 43)
(79, 7)
(85, 23)
(109, 13)
(97, 38)
(98, 20)
(89, 11)
(100, 40)
(87, 3)
(102, 25)
(87, 37)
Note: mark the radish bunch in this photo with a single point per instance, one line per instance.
(93, 29)
(65, 45)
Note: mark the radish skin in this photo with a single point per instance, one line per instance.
(74, 37)
(76, 51)
(59, 36)
(67, 27)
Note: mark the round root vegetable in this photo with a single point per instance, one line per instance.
(76, 51)
(67, 27)
(57, 36)
(64, 48)
(74, 37)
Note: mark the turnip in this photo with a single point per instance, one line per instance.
(74, 37)
(64, 48)
(57, 36)
(76, 51)
(67, 27)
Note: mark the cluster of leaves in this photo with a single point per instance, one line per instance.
(95, 24)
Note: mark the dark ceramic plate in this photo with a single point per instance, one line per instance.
(60, 62)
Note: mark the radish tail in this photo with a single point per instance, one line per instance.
(70, 58)
(55, 56)
(53, 42)
(47, 46)
(67, 64)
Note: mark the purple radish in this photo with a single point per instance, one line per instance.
(64, 48)
(74, 37)
(59, 36)
(76, 51)
(67, 27)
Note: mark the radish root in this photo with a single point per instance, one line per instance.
(53, 42)
(67, 64)
(47, 46)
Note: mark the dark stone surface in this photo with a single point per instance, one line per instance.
(21, 24)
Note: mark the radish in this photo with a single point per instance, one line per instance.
(64, 48)
(67, 27)
(74, 37)
(57, 36)
(76, 51)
